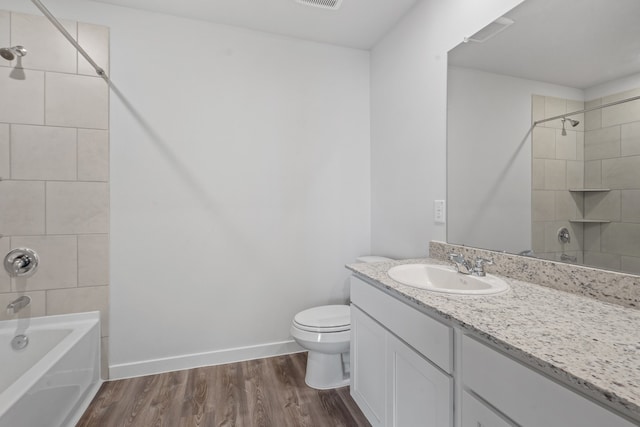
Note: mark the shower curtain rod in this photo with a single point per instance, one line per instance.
(99, 70)
(586, 110)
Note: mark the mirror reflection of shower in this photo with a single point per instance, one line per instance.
(11, 53)
(572, 122)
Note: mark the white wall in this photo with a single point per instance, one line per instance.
(240, 184)
(408, 116)
(614, 86)
(489, 116)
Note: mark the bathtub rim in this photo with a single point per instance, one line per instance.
(80, 325)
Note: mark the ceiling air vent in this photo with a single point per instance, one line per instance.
(490, 30)
(324, 4)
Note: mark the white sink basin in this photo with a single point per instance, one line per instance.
(441, 278)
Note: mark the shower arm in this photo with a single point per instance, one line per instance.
(586, 110)
(99, 70)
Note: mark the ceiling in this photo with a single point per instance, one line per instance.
(575, 43)
(358, 23)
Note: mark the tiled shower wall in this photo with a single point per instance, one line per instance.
(557, 166)
(608, 156)
(54, 167)
(612, 160)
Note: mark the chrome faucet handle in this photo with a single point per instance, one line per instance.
(21, 262)
(480, 262)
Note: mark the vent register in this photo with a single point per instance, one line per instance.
(324, 4)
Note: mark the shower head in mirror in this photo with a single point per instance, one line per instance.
(10, 53)
(572, 122)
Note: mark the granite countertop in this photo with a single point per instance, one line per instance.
(592, 346)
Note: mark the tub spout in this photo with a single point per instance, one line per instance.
(18, 304)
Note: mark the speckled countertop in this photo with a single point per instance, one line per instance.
(592, 346)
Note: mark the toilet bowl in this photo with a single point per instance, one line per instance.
(325, 331)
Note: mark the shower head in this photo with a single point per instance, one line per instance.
(572, 122)
(10, 53)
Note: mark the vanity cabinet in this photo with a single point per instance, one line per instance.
(402, 374)
(392, 382)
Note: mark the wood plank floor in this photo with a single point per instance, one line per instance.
(265, 392)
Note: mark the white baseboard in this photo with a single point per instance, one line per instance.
(189, 361)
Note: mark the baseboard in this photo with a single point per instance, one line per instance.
(189, 361)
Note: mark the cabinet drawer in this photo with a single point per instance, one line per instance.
(477, 414)
(525, 396)
(428, 336)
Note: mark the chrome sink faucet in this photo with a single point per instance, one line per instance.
(464, 266)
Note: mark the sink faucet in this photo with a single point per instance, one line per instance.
(18, 304)
(464, 266)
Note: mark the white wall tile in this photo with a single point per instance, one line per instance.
(43, 153)
(575, 174)
(602, 143)
(621, 238)
(5, 281)
(602, 260)
(22, 208)
(630, 139)
(551, 236)
(47, 47)
(621, 173)
(566, 146)
(5, 35)
(58, 267)
(544, 206)
(554, 107)
(575, 106)
(95, 40)
(93, 260)
(593, 119)
(593, 174)
(22, 101)
(580, 146)
(537, 238)
(621, 113)
(77, 207)
(630, 205)
(78, 300)
(537, 174)
(555, 175)
(605, 205)
(566, 206)
(5, 170)
(93, 155)
(544, 143)
(630, 264)
(36, 308)
(77, 101)
(592, 237)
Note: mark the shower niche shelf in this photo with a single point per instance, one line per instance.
(590, 221)
(589, 190)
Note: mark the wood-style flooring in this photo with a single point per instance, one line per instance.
(265, 392)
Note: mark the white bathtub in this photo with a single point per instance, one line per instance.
(52, 380)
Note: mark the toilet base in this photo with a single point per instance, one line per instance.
(327, 371)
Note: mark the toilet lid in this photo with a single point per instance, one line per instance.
(326, 318)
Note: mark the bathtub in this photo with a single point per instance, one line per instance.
(52, 380)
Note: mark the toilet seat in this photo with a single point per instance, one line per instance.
(324, 319)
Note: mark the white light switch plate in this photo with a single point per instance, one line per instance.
(439, 211)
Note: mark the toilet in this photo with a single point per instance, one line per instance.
(325, 331)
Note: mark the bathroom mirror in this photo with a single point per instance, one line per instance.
(509, 185)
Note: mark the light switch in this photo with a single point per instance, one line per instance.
(439, 211)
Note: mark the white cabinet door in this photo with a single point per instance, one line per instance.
(419, 393)
(368, 363)
(476, 414)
